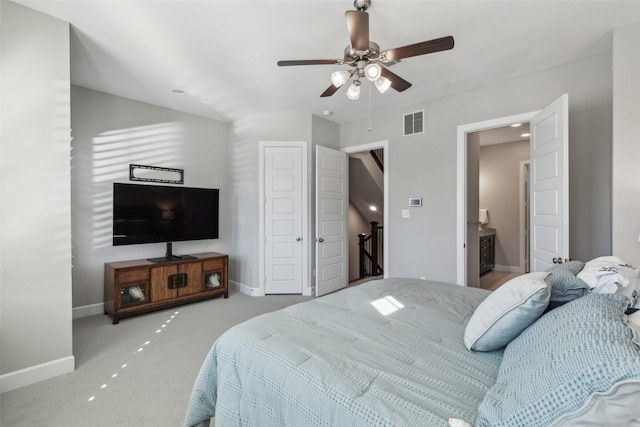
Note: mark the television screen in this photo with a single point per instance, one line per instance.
(156, 213)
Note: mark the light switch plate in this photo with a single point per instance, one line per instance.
(405, 213)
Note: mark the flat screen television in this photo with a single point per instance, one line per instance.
(159, 213)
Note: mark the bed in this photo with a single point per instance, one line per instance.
(409, 352)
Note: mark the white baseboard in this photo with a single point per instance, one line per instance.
(245, 289)
(255, 292)
(88, 310)
(507, 268)
(37, 373)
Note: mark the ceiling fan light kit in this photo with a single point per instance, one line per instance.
(338, 78)
(372, 71)
(353, 92)
(382, 84)
(367, 59)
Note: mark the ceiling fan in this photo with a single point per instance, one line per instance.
(366, 58)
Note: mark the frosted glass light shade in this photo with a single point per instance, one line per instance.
(338, 78)
(373, 72)
(382, 84)
(354, 90)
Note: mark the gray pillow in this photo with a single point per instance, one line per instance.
(577, 365)
(574, 267)
(565, 286)
(506, 312)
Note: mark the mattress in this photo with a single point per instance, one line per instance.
(388, 352)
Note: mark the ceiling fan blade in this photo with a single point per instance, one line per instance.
(310, 62)
(397, 82)
(330, 91)
(422, 48)
(358, 25)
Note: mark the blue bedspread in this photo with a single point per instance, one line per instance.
(340, 361)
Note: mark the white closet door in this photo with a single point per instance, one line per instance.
(283, 220)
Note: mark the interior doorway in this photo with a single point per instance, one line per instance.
(498, 178)
(468, 212)
(549, 186)
(368, 203)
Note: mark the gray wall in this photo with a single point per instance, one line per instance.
(244, 181)
(109, 133)
(425, 164)
(590, 182)
(35, 225)
(500, 194)
(626, 143)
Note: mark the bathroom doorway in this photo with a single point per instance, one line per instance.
(549, 186)
(499, 173)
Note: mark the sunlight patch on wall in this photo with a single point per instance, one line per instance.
(113, 151)
(102, 219)
(111, 154)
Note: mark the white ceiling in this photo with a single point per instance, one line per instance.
(224, 53)
(504, 134)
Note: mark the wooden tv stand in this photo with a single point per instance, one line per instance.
(140, 286)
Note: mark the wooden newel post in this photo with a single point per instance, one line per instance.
(374, 248)
(361, 238)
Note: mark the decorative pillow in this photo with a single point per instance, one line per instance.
(574, 267)
(598, 270)
(577, 365)
(506, 312)
(565, 286)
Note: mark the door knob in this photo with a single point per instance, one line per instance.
(298, 239)
(320, 239)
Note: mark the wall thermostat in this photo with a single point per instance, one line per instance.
(415, 201)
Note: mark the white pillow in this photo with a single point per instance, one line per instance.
(506, 312)
(624, 272)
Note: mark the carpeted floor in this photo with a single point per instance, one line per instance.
(136, 373)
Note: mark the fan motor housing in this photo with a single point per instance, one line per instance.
(351, 55)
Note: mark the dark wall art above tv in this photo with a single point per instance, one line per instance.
(158, 213)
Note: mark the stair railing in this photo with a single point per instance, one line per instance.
(371, 254)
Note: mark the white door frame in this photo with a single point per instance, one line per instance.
(385, 231)
(260, 291)
(524, 210)
(461, 191)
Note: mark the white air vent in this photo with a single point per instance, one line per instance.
(413, 123)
